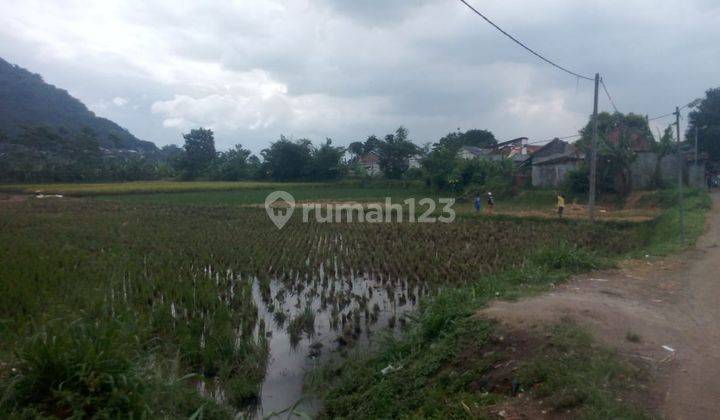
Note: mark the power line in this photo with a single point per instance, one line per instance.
(477, 12)
(549, 140)
(661, 116)
(602, 82)
(689, 105)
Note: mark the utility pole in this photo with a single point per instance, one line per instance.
(696, 150)
(593, 153)
(680, 178)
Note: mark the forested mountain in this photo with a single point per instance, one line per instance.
(27, 101)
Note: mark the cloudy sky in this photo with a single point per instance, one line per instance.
(255, 69)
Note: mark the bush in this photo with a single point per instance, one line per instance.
(568, 258)
(83, 370)
(577, 182)
(89, 369)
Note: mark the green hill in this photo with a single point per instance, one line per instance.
(27, 101)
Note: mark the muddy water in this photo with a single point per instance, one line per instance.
(369, 305)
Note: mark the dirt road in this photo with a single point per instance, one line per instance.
(664, 313)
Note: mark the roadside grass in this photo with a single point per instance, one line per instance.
(571, 372)
(662, 235)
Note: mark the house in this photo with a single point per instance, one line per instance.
(415, 162)
(643, 169)
(552, 162)
(697, 170)
(515, 150)
(370, 162)
(513, 147)
(532, 149)
(648, 170)
(472, 152)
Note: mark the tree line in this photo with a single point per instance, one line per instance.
(43, 154)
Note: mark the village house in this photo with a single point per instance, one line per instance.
(515, 150)
(648, 170)
(370, 163)
(552, 162)
(415, 162)
(472, 152)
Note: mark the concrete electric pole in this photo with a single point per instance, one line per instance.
(680, 160)
(593, 153)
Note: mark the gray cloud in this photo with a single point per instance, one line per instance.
(253, 70)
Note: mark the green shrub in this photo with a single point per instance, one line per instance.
(577, 182)
(568, 258)
(84, 368)
(79, 370)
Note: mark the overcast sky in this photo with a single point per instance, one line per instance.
(254, 69)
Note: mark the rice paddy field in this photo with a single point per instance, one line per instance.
(142, 187)
(195, 304)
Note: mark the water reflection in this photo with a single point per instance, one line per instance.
(308, 320)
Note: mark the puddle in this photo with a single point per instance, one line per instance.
(349, 312)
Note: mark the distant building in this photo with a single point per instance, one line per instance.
(415, 162)
(370, 162)
(472, 152)
(552, 162)
(515, 150)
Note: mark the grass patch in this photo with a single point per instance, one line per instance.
(662, 235)
(572, 373)
(85, 369)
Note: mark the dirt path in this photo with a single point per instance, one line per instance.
(673, 305)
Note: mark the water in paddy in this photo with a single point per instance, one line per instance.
(311, 321)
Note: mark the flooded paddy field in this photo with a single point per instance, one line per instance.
(179, 310)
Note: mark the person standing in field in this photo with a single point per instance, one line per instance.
(478, 204)
(560, 204)
(490, 203)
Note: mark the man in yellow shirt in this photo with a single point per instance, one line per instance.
(560, 204)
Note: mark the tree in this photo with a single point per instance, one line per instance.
(327, 162)
(199, 152)
(231, 165)
(254, 167)
(617, 134)
(84, 151)
(395, 152)
(356, 148)
(477, 138)
(438, 166)
(287, 160)
(706, 118)
(666, 145)
(372, 144)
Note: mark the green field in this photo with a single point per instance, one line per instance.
(257, 195)
(143, 187)
(127, 304)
